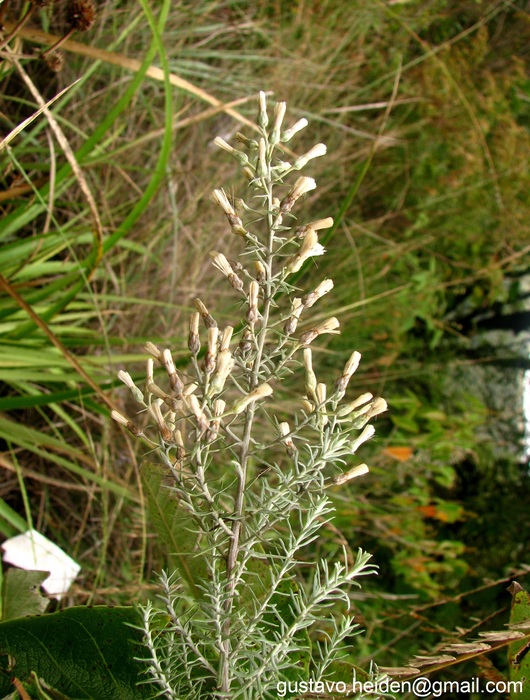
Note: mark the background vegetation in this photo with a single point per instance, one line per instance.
(105, 229)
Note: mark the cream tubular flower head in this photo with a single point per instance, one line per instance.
(241, 157)
(262, 167)
(175, 381)
(221, 263)
(377, 407)
(226, 338)
(315, 152)
(211, 352)
(207, 317)
(223, 368)
(253, 313)
(310, 377)
(296, 309)
(220, 198)
(126, 378)
(317, 225)
(221, 143)
(323, 288)
(153, 350)
(129, 425)
(263, 117)
(298, 126)
(279, 114)
(302, 186)
(287, 439)
(309, 248)
(154, 409)
(149, 370)
(202, 421)
(352, 405)
(359, 470)
(329, 326)
(350, 367)
(260, 392)
(367, 433)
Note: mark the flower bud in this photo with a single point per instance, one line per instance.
(194, 342)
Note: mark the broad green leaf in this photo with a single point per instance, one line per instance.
(21, 595)
(82, 652)
(519, 651)
(174, 526)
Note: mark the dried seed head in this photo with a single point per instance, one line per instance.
(81, 14)
(54, 60)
